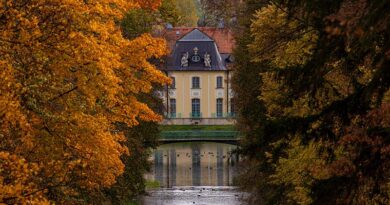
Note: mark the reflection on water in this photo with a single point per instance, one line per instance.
(194, 164)
(195, 195)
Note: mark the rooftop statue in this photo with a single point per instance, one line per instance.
(184, 60)
(207, 60)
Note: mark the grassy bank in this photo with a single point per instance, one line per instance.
(149, 184)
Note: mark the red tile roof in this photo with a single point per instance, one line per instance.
(223, 37)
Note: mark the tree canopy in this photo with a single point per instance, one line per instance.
(322, 94)
(188, 12)
(215, 12)
(67, 75)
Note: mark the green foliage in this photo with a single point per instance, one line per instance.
(188, 13)
(282, 41)
(137, 21)
(169, 12)
(142, 20)
(215, 11)
(175, 12)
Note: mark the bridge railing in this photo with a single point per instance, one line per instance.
(223, 115)
(199, 134)
(173, 115)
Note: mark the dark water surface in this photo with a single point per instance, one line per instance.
(194, 173)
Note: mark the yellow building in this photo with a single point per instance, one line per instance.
(201, 90)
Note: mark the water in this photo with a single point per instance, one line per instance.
(194, 195)
(194, 173)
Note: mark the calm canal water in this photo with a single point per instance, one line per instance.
(194, 173)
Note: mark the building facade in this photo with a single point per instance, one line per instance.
(200, 71)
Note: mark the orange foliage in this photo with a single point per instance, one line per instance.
(153, 4)
(66, 75)
(16, 181)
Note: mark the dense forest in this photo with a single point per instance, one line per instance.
(312, 87)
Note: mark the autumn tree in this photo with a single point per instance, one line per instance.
(214, 12)
(67, 75)
(188, 12)
(251, 119)
(169, 12)
(325, 93)
(140, 141)
(138, 21)
(142, 138)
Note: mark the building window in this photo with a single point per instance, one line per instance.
(195, 107)
(173, 85)
(219, 81)
(172, 110)
(195, 82)
(219, 107)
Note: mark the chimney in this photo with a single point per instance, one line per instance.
(169, 26)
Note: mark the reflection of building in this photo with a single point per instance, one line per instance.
(158, 165)
(172, 167)
(194, 164)
(199, 65)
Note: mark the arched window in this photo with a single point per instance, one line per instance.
(219, 82)
(195, 82)
(195, 108)
(172, 110)
(219, 107)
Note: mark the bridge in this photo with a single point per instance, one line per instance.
(229, 137)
